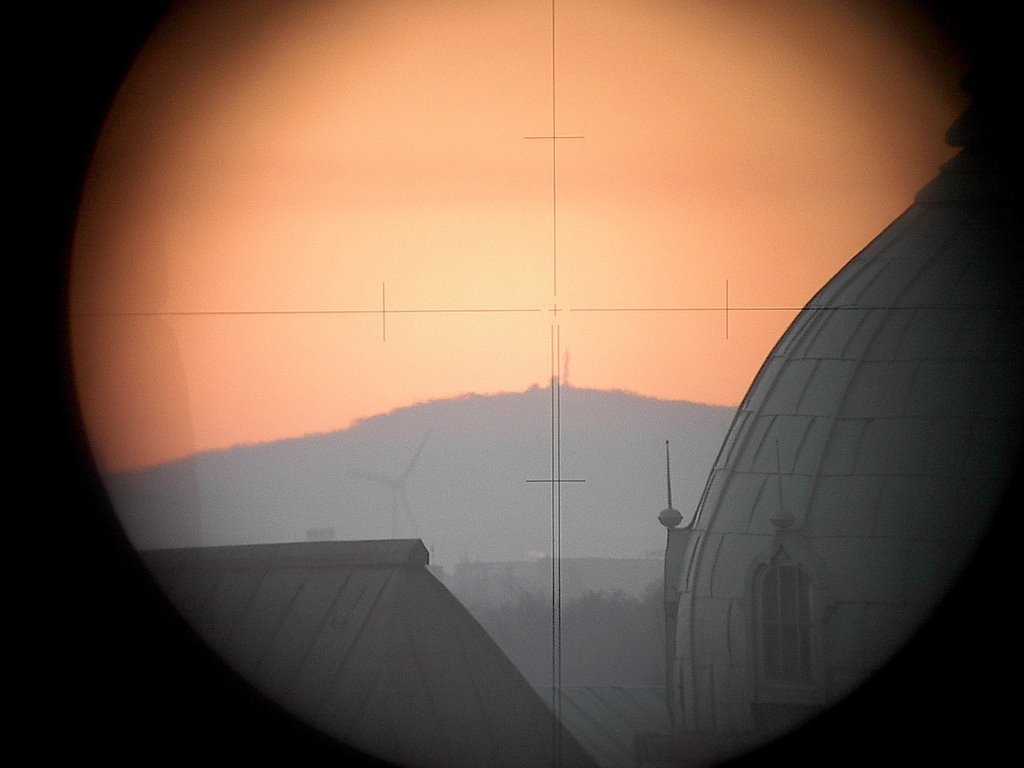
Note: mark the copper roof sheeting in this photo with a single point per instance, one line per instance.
(363, 643)
(888, 418)
(607, 720)
(874, 450)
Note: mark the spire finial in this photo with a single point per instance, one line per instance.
(669, 517)
(668, 475)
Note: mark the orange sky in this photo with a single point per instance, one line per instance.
(312, 156)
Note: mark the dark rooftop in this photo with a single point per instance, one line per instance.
(363, 643)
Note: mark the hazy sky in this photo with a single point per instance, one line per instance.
(321, 162)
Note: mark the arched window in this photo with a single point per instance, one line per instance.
(784, 624)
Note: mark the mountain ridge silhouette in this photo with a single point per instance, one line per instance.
(468, 490)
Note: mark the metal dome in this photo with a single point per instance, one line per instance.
(870, 452)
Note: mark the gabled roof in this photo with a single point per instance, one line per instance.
(607, 720)
(361, 641)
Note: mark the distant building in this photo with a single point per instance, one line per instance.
(324, 533)
(498, 584)
(363, 643)
(860, 473)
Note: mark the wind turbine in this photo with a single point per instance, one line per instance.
(396, 484)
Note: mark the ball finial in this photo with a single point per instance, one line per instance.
(669, 517)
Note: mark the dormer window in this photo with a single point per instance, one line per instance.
(784, 624)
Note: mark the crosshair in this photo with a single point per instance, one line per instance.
(555, 480)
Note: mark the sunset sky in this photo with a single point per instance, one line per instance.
(278, 186)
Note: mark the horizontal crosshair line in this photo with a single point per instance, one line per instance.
(731, 308)
(556, 480)
(512, 310)
(720, 308)
(463, 311)
(554, 137)
(314, 312)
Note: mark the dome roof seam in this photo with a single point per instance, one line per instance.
(699, 518)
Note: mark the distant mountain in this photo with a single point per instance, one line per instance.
(467, 492)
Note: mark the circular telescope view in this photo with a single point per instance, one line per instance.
(553, 383)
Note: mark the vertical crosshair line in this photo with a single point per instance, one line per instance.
(556, 405)
(554, 165)
(556, 592)
(558, 526)
(556, 487)
(383, 314)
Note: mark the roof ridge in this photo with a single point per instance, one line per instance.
(367, 553)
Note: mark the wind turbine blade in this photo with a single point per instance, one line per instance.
(408, 513)
(415, 457)
(373, 477)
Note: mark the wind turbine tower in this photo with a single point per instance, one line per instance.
(396, 484)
